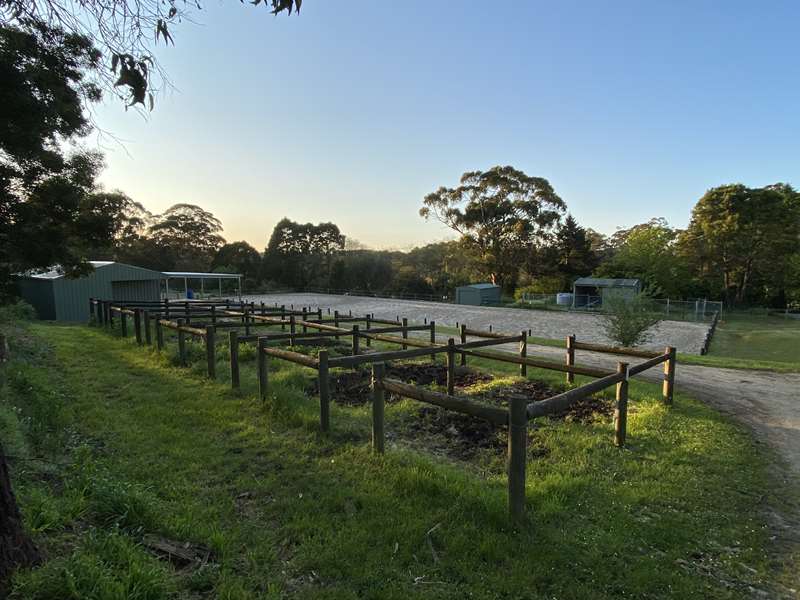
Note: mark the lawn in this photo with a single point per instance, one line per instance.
(749, 337)
(115, 447)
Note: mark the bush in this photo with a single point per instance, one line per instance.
(627, 322)
(17, 311)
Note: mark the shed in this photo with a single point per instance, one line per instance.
(478, 294)
(61, 298)
(590, 292)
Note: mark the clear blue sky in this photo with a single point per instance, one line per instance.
(355, 110)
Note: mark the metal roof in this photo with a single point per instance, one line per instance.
(605, 282)
(194, 275)
(57, 271)
(480, 286)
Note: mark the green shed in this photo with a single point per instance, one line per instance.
(60, 298)
(478, 294)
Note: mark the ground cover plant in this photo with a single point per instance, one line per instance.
(139, 479)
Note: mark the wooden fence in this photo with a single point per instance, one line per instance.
(314, 327)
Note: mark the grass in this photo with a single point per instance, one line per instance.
(114, 443)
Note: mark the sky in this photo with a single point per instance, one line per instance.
(354, 110)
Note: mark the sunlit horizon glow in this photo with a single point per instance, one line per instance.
(353, 113)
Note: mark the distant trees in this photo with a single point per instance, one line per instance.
(189, 234)
(302, 254)
(741, 241)
(238, 257)
(500, 214)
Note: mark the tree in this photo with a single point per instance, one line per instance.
(500, 213)
(738, 235)
(190, 233)
(628, 321)
(647, 251)
(239, 257)
(569, 255)
(49, 214)
(301, 254)
(127, 30)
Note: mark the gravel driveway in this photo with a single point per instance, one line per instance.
(685, 336)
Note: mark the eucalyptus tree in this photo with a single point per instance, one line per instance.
(501, 214)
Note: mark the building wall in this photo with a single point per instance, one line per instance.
(72, 295)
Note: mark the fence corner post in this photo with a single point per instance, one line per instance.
(570, 362)
(669, 375)
(148, 336)
(463, 331)
(181, 344)
(324, 396)
(211, 357)
(621, 410)
(451, 366)
(517, 455)
(137, 324)
(523, 353)
(263, 377)
(159, 335)
(233, 341)
(405, 331)
(356, 349)
(378, 402)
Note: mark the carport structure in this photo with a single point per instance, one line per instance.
(186, 276)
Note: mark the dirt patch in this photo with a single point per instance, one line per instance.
(463, 437)
(352, 388)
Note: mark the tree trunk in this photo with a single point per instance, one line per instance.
(16, 548)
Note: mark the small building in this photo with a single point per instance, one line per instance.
(58, 297)
(590, 292)
(478, 294)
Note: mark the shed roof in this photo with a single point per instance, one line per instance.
(57, 272)
(605, 282)
(197, 275)
(480, 286)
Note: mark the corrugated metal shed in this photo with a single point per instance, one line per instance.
(591, 292)
(57, 297)
(478, 294)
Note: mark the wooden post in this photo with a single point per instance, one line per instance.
(91, 310)
(181, 344)
(246, 321)
(355, 341)
(669, 375)
(283, 316)
(137, 324)
(292, 330)
(433, 338)
(263, 378)
(148, 336)
(211, 357)
(214, 315)
(378, 401)
(621, 410)
(517, 455)
(186, 311)
(368, 319)
(159, 335)
(570, 362)
(123, 324)
(451, 366)
(523, 352)
(463, 331)
(263, 309)
(305, 317)
(336, 322)
(166, 308)
(324, 396)
(110, 314)
(233, 341)
(405, 332)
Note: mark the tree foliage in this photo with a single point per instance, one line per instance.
(739, 238)
(629, 322)
(127, 31)
(190, 233)
(500, 213)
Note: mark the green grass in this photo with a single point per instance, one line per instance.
(758, 338)
(113, 443)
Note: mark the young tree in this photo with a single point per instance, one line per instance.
(628, 322)
(500, 213)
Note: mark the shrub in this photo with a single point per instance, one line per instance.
(627, 322)
(16, 311)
